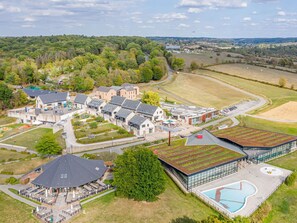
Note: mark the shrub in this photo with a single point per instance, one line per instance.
(6, 172)
(122, 131)
(93, 125)
(77, 123)
(261, 213)
(290, 180)
(89, 156)
(12, 180)
(99, 119)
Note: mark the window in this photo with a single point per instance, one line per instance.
(63, 175)
(143, 126)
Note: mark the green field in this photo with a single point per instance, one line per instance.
(13, 211)
(207, 58)
(257, 73)
(107, 136)
(6, 155)
(13, 129)
(28, 139)
(276, 96)
(287, 128)
(6, 120)
(203, 92)
(23, 166)
(171, 205)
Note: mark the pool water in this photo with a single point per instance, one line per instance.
(232, 196)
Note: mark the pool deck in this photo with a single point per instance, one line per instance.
(266, 185)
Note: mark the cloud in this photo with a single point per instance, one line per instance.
(247, 19)
(28, 26)
(52, 12)
(195, 10)
(196, 21)
(226, 18)
(182, 25)
(254, 12)
(168, 17)
(209, 27)
(13, 9)
(213, 3)
(29, 19)
(281, 13)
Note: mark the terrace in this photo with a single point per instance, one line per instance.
(250, 137)
(194, 159)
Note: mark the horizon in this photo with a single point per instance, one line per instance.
(178, 18)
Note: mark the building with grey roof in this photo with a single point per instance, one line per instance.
(34, 93)
(154, 113)
(131, 104)
(117, 100)
(52, 100)
(109, 110)
(140, 125)
(96, 104)
(69, 171)
(123, 116)
(128, 91)
(81, 101)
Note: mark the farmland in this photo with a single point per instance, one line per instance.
(257, 73)
(200, 91)
(191, 159)
(207, 58)
(275, 95)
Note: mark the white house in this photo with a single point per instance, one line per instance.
(81, 101)
(109, 111)
(123, 116)
(96, 105)
(52, 100)
(154, 113)
(140, 125)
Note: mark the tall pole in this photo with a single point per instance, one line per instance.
(169, 138)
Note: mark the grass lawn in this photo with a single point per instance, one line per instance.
(101, 128)
(277, 96)
(257, 73)
(107, 136)
(14, 211)
(6, 120)
(203, 92)
(8, 154)
(171, 205)
(287, 128)
(28, 139)
(288, 161)
(23, 166)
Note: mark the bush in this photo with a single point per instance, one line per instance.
(122, 131)
(76, 123)
(12, 180)
(89, 156)
(261, 213)
(6, 172)
(93, 125)
(290, 180)
(99, 119)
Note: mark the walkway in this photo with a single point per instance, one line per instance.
(4, 188)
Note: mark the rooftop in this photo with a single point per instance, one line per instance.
(146, 109)
(123, 113)
(80, 99)
(137, 120)
(117, 100)
(95, 102)
(54, 97)
(131, 104)
(109, 108)
(36, 92)
(194, 159)
(250, 137)
(70, 171)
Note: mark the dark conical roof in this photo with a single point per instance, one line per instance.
(70, 171)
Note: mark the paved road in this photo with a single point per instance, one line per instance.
(4, 189)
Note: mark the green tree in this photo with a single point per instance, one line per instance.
(146, 73)
(151, 98)
(139, 175)
(177, 63)
(5, 95)
(282, 82)
(194, 66)
(47, 145)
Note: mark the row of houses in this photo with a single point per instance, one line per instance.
(131, 114)
(126, 90)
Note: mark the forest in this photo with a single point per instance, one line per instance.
(80, 63)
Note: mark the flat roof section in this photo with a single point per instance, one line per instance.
(250, 137)
(194, 159)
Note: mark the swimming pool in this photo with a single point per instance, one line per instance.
(232, 197)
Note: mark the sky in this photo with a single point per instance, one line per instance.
(184, 18)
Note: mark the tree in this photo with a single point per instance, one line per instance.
(194, 66)
(139, 175)
(5, 95)
(177, 63)
(282, 82)
(146, 73)
(47, 145)
(151, 98)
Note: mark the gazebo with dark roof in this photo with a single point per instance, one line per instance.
(69, 171)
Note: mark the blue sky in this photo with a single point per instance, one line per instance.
(211, 18)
